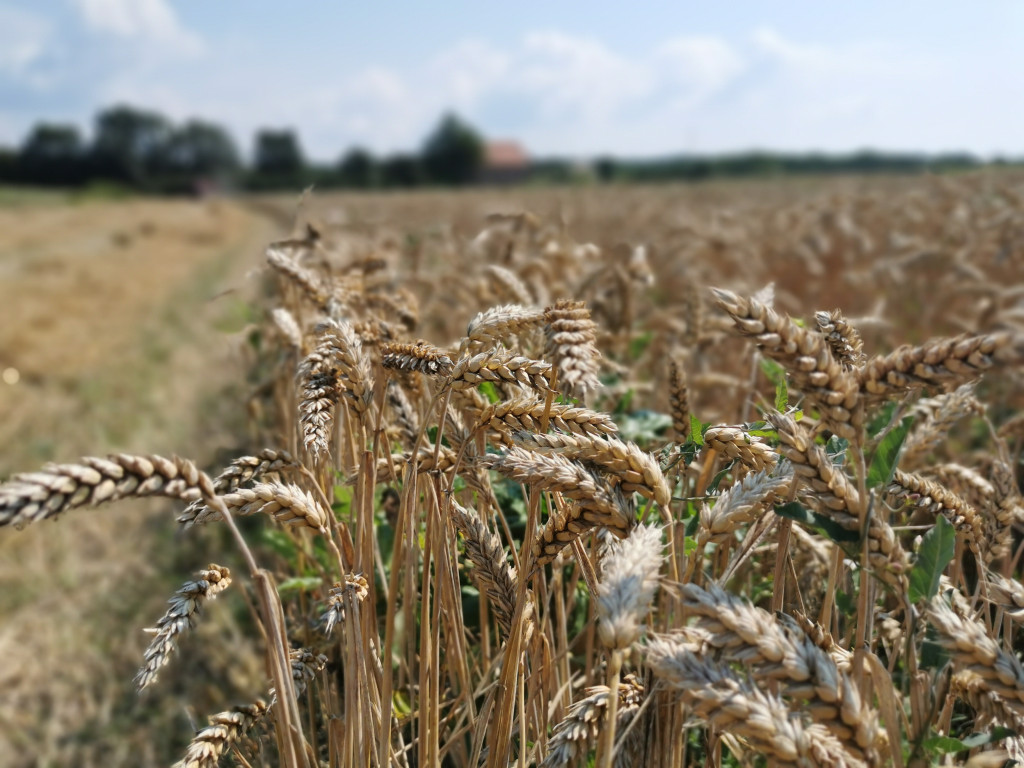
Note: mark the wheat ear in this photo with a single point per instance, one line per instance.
(56, 487)
(181, 616)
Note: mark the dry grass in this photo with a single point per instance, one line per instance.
(509, 544)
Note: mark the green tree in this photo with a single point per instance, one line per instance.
(402, 170)
(453, 153)
(129, 144)
(52, 155)
(200, 149)
(278, 154)
(358, 169)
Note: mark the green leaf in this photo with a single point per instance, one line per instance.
(797, 512)
(488, 390)
(299, 584)
(937, 547)
(883, 463)
(689, 545)
(697, 428)
(640, 343)
(944, 745)
(776, 374)
(280, 543)
(980, 739)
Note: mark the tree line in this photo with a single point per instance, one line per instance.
(143, 150)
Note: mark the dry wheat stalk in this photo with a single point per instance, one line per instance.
(679, 400)
(420, 356)
(225, 729)
(939, 414)
(508, 284)
(424, 463)
(714, 694)
(833, 491)
(636, 470)
(239, 472)
(501, 366)
(321, 389)
(286, 503)
(308, 282)
(574, 736)
(1008, 510)
(808, 360)
(403, 412)
(289, 328)
(741, 504)
(570, 337)
(185, 608)
(1008, 594)
(737, 444)
(629, 579)
(842, 338)
(770, 651)
(975, 651)
(990, 709)
(597, 504)
(38, 495)
(353, 590)
(929, 496)
(493, 326)
(341, 348)
(492, 573)
(527, 413)
(939, 363)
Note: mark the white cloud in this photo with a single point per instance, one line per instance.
(698, 66)
(23, 40)
(577, 77)
(150, 21)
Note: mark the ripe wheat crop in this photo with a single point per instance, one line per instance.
(622, 507)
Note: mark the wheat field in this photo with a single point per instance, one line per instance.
(726, 474)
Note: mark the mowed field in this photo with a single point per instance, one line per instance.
(121, 328)
(146, 326)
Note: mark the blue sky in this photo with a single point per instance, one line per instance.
(571, 78)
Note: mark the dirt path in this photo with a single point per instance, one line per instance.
(120, 330)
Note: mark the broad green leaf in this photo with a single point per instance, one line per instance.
(937, 547)
(883, 463)
(689, 545)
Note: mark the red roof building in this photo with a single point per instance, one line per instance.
(505, 162)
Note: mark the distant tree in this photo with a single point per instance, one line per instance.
(358, 169)
(53, 154)
(278, 155)
(129, 144)
(453, 153)
(402, 171)
(201, 150)
(8, 165)
(606, 168)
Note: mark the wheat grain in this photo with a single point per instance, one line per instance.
(56, 487)
(570, 337)
(181, 616)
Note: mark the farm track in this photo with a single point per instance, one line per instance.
(123, 321)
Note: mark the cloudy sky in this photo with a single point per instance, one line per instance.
(562, 77)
